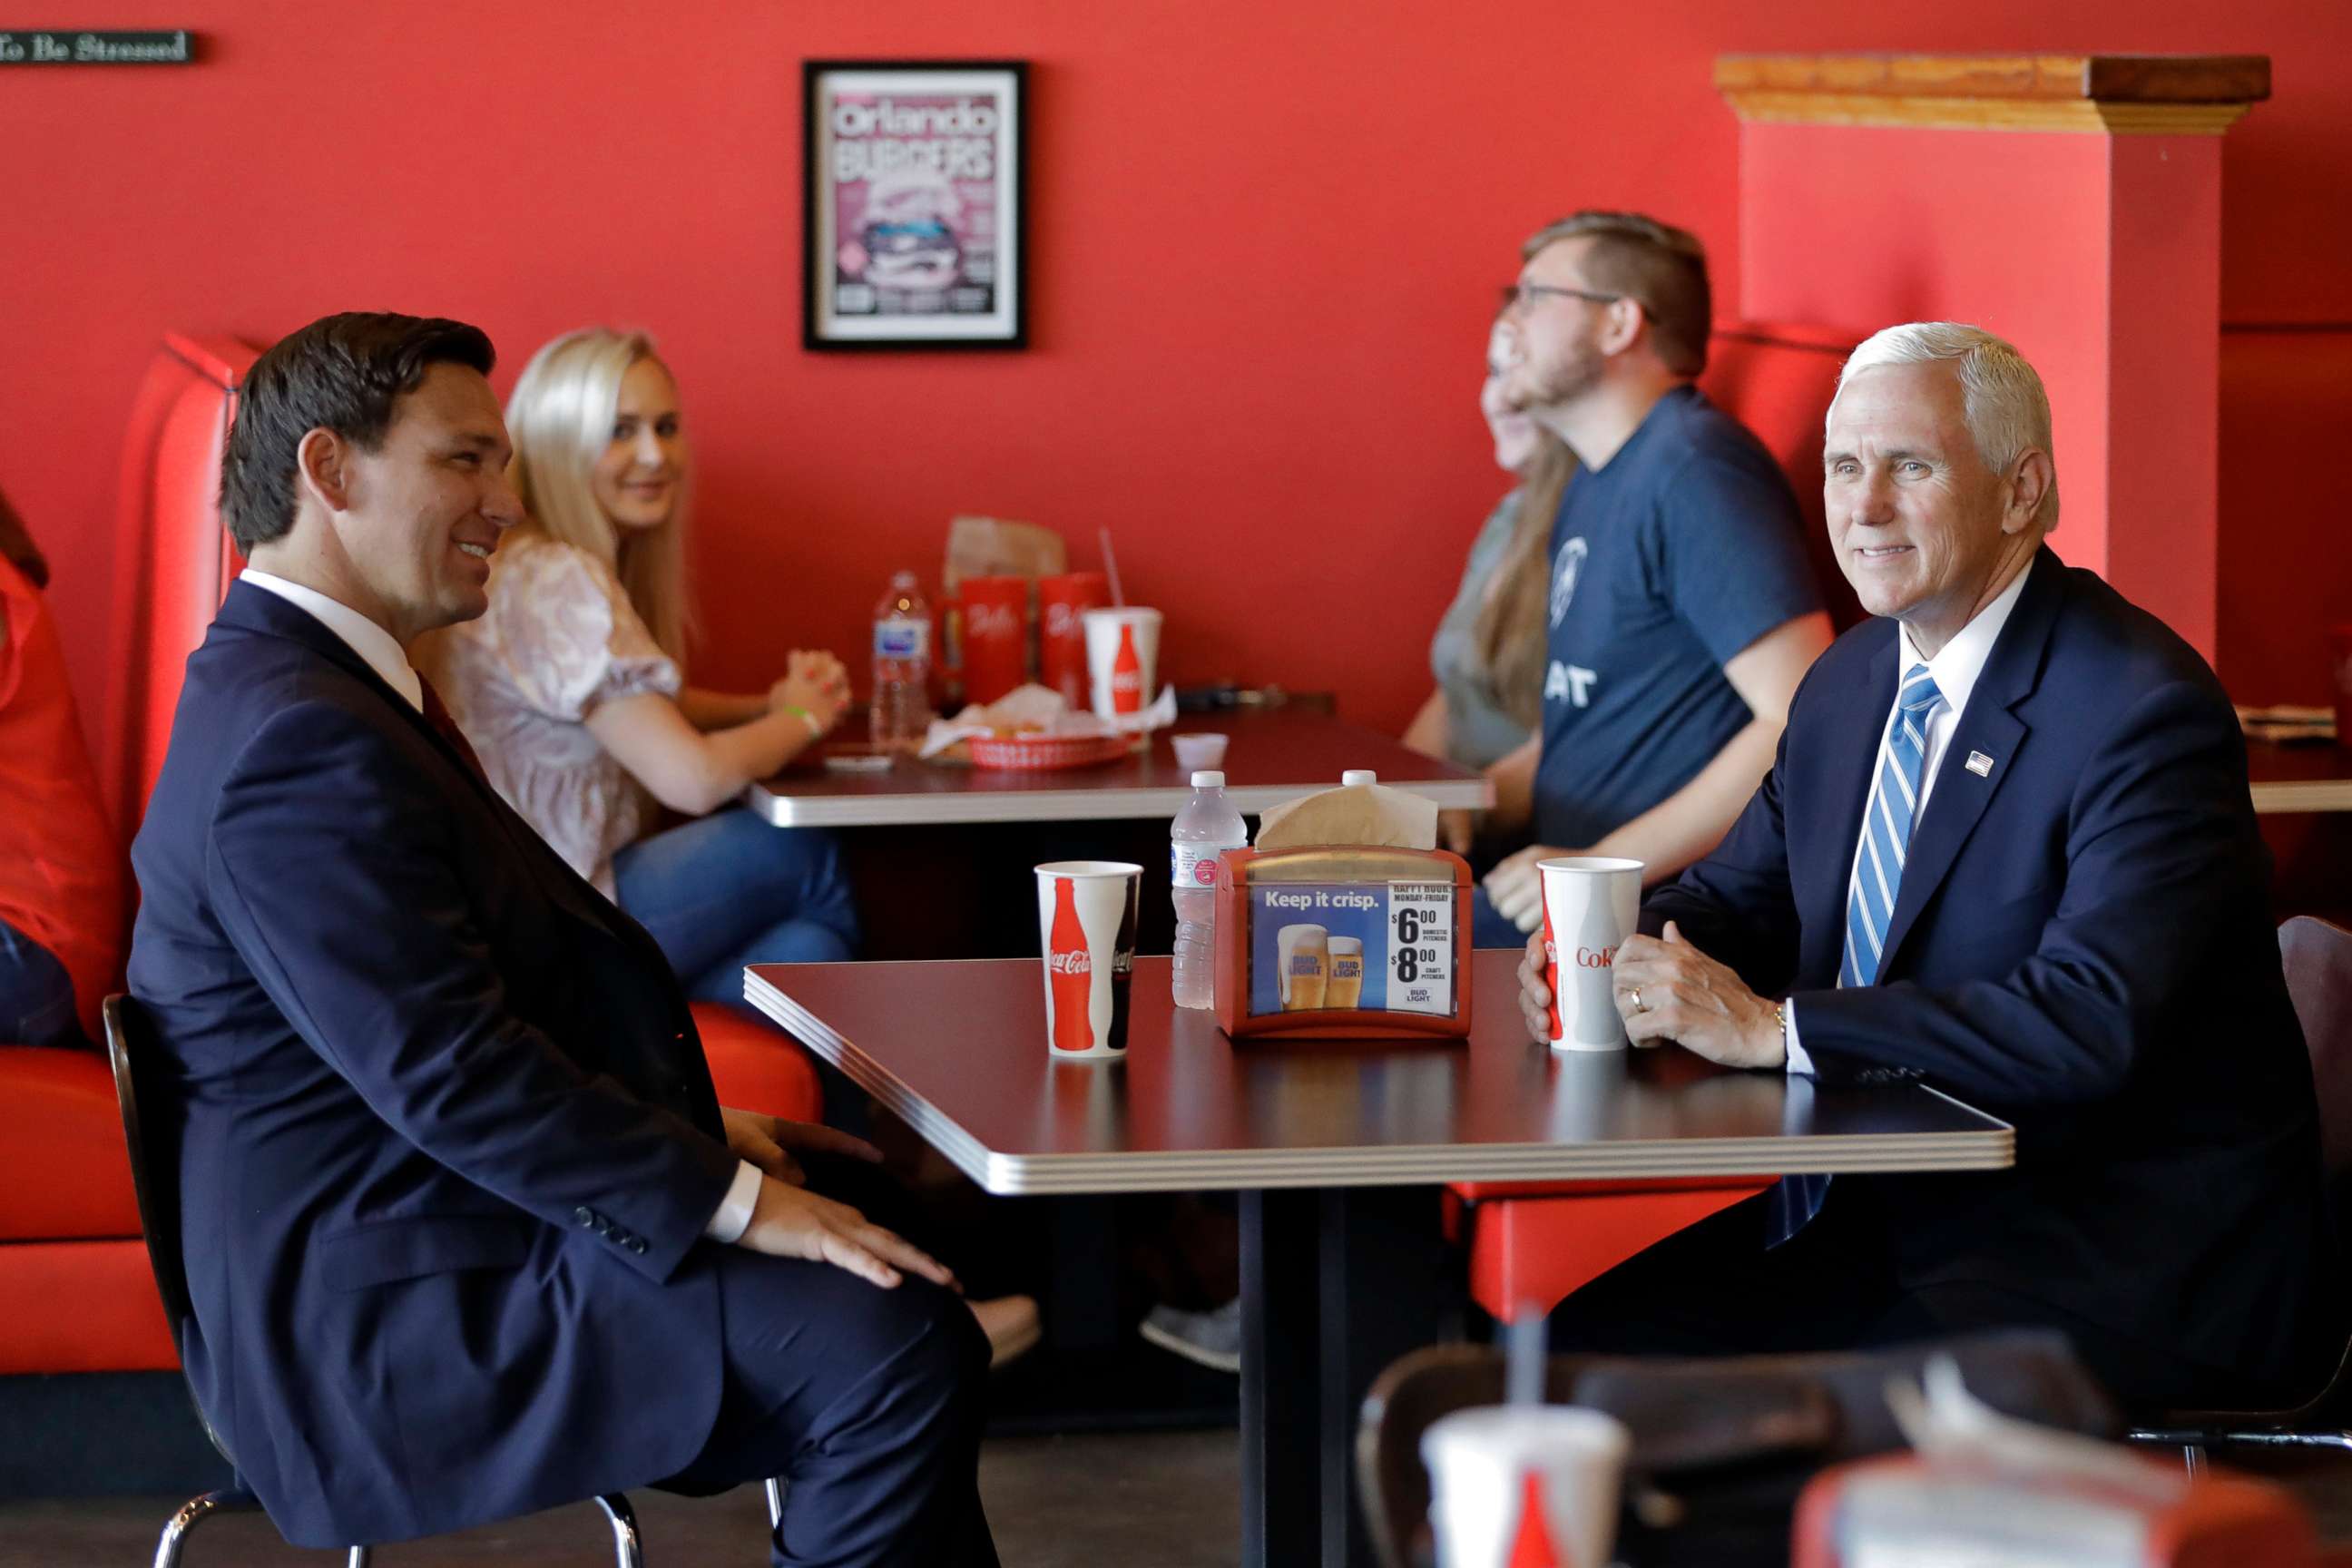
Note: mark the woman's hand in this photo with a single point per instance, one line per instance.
(814, 682)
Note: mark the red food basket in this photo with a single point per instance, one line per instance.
(1041, 753)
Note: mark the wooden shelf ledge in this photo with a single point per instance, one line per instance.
(2142, 95)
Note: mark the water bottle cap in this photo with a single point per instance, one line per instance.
(1360, 776)
(1207, 778)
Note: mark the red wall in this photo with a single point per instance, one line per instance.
(1264, 237)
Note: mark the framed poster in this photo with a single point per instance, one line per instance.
(913, 186)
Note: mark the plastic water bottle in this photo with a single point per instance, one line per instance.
(1205, 829)
(902, 666)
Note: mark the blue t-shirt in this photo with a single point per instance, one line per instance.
(1675, 556)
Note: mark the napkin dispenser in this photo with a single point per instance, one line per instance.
(1351, 941)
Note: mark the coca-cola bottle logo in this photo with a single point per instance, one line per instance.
(1074, 961)
(1590, 958)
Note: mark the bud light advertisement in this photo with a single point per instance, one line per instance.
(1382, 947)
(914, 201)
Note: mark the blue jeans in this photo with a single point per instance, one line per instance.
(37, 999)
(1487, 926)
(727, 889)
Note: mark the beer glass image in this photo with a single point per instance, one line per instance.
(1590, 905)
(1346, 986)
(1087, 918)
(1304, 953)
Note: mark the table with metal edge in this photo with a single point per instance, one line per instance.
(1336, 1151)
(1271, 758)
(2302, 778)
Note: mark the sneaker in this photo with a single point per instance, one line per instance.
(1211, 1338)
(1011, 1324)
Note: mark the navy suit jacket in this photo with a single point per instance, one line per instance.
(2082, 945)
(443, 1134)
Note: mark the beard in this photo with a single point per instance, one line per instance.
(1535, 385)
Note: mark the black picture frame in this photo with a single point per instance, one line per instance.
(955, 272)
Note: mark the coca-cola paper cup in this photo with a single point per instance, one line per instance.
(1087, 916)
(1062, 602)
(995, 636)
(1122, 660)
(1514, 1484)
(1590, 905)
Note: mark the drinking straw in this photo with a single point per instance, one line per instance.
(1111, 568)
(1523, 1356)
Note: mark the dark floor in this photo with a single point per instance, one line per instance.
(1136, 1500)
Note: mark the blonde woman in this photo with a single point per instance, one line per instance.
(572, 686)
(1488, 651)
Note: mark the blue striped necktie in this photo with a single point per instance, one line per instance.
(1877, 879)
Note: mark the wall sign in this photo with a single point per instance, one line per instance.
(913, 189)
(68, 46)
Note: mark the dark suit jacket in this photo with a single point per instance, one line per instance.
(2081, 945)
(444, 1136)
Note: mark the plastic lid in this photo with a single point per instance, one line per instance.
(1360, 776)
(1207, 778)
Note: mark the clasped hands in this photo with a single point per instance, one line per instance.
(789, 1221)
(1666, 989)
(815, 682)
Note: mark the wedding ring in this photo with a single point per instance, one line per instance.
(1637, 994)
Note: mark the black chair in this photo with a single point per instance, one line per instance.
(1721, 1445)
(154, 1167)
(2317, 958)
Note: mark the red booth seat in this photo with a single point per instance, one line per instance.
(75, 1291)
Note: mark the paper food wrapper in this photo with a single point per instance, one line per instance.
(1037, 710)
(996, 547)
(1353, 813)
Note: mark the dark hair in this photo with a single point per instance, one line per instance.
(16, 545)
(342, 373)
(1660, 268)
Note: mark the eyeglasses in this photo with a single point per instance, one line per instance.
(1520, 296)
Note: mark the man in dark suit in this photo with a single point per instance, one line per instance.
(2007, 848)
(467, 1232)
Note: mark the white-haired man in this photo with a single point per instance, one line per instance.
(2007, 847)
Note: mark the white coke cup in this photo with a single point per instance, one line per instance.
(1590, 905)
(1088, 913)
(1122, 660)
(1500, 1472)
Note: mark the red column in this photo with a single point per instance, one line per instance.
(2071, 205)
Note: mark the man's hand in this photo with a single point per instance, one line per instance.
(1534, 996)
(791, 1222)
(767, 1141)
(1668, 990)
(1516, 887)
(1456, 829)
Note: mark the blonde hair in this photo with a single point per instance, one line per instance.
(559, 417)
(1511, 628)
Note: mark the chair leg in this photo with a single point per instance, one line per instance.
(191, 1513)
(359, 1558)
(2192, 1456)
(626, 1549)
(775, 1502)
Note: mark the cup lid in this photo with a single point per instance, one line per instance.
(1207, 778)
(1358, 776)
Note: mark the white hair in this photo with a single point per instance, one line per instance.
(2006, 411)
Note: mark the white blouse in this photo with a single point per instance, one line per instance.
(560, 638)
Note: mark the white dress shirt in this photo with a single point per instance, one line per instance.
(383, 654)
(1954, 670)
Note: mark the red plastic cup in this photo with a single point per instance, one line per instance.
(2339, 640)
(995, 636)
(1062, 633)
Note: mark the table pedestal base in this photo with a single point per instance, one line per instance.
(1335, 1284)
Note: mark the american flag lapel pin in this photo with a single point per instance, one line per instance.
(1979, 765)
